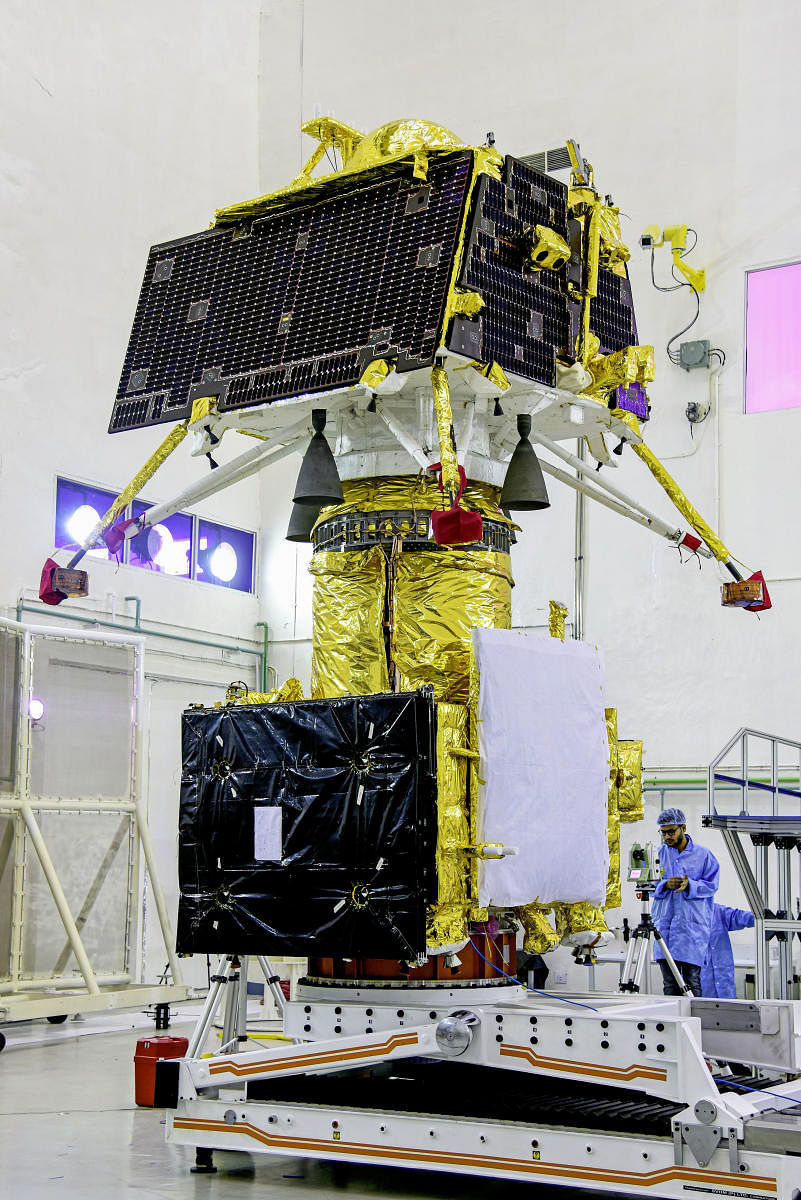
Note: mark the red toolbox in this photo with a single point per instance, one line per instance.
(148, 1051)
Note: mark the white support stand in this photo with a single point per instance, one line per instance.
(25, 993)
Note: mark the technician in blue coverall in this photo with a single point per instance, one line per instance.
(683, 901)
(717, 973)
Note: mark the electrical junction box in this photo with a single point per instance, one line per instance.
(693, 355)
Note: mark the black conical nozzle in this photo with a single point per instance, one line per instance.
(524, 487)
(318, 479)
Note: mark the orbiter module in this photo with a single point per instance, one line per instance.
(433, 309)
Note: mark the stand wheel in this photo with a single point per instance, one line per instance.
(57, 1020)
(2, 1041)
(204, 1164)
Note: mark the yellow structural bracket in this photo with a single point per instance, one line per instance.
(451, 483)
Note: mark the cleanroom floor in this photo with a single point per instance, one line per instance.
(69, 1127)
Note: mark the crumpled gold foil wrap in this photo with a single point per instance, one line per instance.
(447, 449)
(540, 937)
(614, 896)
(438, 598)
(375, 373)
(145, 473)
(635, 364)
(291, 689)
(401, 138)
(348, 655)
(491, 371)
(556, 619)
(631, 802)
(446, 921)
(690, 514)
(579, 918)
(411, 492)
(614, 251)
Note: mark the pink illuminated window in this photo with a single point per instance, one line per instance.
(772, 342)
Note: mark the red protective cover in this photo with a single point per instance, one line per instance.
(766, 601)
(148, 1051)
(47, 593)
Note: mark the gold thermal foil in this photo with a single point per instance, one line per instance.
(375, 155)
(446, 922)
(540, 936)
(402, 138)
(491, 371)
(614, 251)
(291, 689)
(690, 514)
(613, 888)
(635, 364)
(437, 600)
(556, 619)
(579, 918)
(444, 417)
(348, 656)
(375, 373)
(631, 804)
(411, 492)
(145, 473)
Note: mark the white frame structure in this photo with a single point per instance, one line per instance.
(23, 997)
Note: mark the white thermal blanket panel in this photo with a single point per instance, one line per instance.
(544, 766)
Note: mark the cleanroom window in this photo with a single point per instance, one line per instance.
(224, 556)
(78, 509)
(772, 346)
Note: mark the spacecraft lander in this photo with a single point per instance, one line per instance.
(430, 312)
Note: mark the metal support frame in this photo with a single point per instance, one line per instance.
(651, 1045)
(22, 995)
(777, 831)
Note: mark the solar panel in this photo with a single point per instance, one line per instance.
(296, 302)
(525, 320)
(300, 301)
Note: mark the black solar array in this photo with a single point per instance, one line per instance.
(612, 312)
(524, 322)
(296, 302)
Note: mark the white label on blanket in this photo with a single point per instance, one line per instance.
(267, 834)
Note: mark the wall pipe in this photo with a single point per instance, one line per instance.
(137, 627)
(264, 687)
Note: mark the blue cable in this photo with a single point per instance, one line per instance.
(762, 1091)
(525, 987)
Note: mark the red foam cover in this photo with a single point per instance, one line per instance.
(114, 536)
(765, 602)
(47, 593)
(691, 542)
(456, 527)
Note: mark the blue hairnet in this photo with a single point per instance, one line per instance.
(671, 816)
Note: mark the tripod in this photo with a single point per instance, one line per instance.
(639, 949)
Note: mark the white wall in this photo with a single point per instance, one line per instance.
(681, 110)
(124, 125)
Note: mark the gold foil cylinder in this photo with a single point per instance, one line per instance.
(631, 803)
(437, 600)
(348, 654)
(447, 447)
(446, 922)
(411, 492)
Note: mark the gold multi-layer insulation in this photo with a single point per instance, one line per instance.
(412, 612)
(447, 918)
(539, 935)
(613, 890)
(630, 781)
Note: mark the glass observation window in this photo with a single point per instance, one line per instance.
(78, 509)
(166, 547)
(772, 346)
(225, 556)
